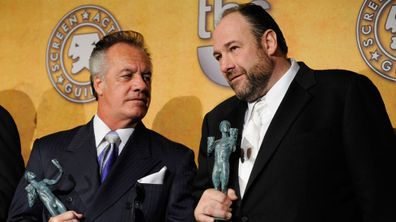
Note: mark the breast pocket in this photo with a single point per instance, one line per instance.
(313, 138)
(153, 196)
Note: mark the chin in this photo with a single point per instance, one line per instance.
(239, 89)
(138, 115)
(135, 112)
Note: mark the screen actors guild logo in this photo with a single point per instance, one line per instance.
(208, 64)
(69, 47)
(376, 36)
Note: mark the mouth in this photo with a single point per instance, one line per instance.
(233, 78)
(140, 101)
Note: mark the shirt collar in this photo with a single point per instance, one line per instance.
(101, 129)
(275, 95)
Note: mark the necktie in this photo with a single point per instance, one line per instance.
(251, 141)
(109, 155)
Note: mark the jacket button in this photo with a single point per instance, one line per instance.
(69, 199)
(244, 219)
(138, 205)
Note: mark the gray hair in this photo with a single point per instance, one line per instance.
(98, 62)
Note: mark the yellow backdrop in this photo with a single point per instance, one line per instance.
(321, 33)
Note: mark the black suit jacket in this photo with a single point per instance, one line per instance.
(328, 155)
(11, 162)
(120, 197)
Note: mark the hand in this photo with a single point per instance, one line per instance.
(69, 216)
(214, 204)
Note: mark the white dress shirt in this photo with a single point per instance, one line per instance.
(100, 131)
(273, 98)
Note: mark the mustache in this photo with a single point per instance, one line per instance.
(233, 73)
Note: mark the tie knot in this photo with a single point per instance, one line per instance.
(260, 104)
(112, 137)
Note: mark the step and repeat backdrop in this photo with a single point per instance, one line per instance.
(45, 46)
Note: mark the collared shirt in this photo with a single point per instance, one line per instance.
(273, 98)
(100, 131)
(275, 95)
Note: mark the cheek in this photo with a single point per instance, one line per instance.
(252, 62)
(245, 63)
(115, 95)
(121, 90)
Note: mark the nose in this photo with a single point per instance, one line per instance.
(226, 64)
(138, 83)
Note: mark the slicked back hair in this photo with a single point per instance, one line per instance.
(97, 61)
(260, 21)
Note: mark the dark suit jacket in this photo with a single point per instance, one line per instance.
(11, 162)
(120, 197)
(328, 155)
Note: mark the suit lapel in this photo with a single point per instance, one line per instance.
(134, 162)
(295, 99)
(80, 163)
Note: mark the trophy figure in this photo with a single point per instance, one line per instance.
(40, 188)
(222, 149)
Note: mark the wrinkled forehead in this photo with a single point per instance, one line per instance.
(125, 53)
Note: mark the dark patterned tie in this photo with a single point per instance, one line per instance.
(109, 155)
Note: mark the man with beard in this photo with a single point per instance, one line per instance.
(314, 145)
(114, 168)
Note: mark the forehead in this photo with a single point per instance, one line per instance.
(125, 53)
(232, 28)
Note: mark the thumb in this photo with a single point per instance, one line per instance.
(231, 194)
(78, 215)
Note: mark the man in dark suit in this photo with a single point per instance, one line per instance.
(11, 161)
(314, 145)
(151, 177)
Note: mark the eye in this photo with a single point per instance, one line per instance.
(233, 48)
(126, 76)
(146, 76)
(217, 57)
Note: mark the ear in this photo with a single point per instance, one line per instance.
(269, 41)
(98, 84)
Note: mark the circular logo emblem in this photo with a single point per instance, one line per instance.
(376, 36)
(70, 46)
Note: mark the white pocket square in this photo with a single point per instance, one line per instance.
(155, 178)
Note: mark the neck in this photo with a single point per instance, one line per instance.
(281, 65)
(115, 124)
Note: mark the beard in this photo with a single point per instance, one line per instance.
(257, 79)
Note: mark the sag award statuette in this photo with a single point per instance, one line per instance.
(40, 188)
(222, 149)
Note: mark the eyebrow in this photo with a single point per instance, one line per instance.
(225, 45)
(127, 70)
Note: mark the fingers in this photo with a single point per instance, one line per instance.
(214, 204)
(69, 216)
